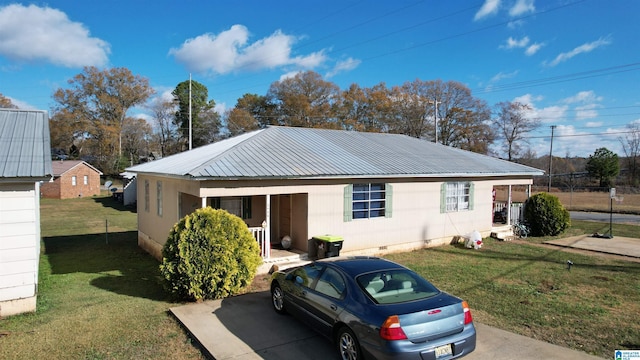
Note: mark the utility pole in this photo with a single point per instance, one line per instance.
(550, 158)
(190, 135)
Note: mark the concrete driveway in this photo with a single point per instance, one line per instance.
(246, 327)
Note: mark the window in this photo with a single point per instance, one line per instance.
(368, 201)
(308, 274)
(159, 197)
(331, 284)
(73, 181)
(457, 196)
(146, 195)
(239, 206)
(86, 179)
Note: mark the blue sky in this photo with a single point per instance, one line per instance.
(576, 63)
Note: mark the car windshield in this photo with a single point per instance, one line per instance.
(396, 286)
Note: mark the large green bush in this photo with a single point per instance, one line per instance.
(545, 215)
(209, 254)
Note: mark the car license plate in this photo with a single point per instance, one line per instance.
(443, 351)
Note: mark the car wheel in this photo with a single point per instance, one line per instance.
(277, 299)
(348, 346)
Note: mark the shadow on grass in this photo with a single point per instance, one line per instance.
(111, 202)
(116, 263)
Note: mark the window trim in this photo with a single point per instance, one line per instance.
(349, 201)
(453, 195)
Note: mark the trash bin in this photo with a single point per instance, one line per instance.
(328, 245)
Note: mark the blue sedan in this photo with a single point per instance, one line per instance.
(373, 308)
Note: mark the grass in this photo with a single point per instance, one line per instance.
(526, 288)
(100, 297)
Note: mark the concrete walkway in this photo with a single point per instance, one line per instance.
(246, 327)
(614, 246)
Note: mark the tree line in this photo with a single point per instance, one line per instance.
(90, 118)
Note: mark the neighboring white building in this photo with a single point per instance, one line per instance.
(380, 192)
(25, 161)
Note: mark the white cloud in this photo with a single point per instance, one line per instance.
(587, 111)
(490, 7)
(533, 48)
(229, 51)
(594, 124)
(584, 48)
(344, 65)
(32, 33)
(502, 75)
(514, 43)
(522, 7)
(583, 97)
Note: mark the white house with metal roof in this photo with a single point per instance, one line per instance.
(380, 192)
(25, 161)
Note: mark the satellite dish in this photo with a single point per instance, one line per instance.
(108, 184)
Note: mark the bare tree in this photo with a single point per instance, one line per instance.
(631, 147)
(512, 125)
(6, 103)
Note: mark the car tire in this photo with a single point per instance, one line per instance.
(277, 299)
(347, 344)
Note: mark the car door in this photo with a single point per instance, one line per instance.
(303, 280)
(326, 300)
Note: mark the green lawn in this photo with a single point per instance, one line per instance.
(100, 295)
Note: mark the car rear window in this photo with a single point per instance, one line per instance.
(396, 286)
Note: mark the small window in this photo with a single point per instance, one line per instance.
(458, 196)
(146, 195)
(368, 201)
(159, 197)
(86, 179)
(331, 284)
(73, 181)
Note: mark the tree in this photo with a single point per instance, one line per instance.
(205, 123)
(512, 125)
(137, 135)
(304, 100)
(102, 98)
(603, 165)
(364, 109)
(545, 215)
(167, 131)
(251, 112)
(631, 147)
(6, 103)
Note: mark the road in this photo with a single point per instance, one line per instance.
(604, 217)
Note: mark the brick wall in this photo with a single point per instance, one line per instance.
(63, 187)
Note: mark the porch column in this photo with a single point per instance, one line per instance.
(509, 206)
(204, 202)
(528, 191)
(268, 219)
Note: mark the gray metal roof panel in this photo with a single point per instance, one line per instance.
(25, 144)
(286, 152)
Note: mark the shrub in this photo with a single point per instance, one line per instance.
(209, 254)
(545, 215)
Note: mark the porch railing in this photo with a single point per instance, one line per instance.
(516, 213)
(260, 234)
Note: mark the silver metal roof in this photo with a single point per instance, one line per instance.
(285, 152)
(25, 144)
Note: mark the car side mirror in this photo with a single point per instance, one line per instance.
(299, 280)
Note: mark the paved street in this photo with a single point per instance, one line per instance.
(604, 217)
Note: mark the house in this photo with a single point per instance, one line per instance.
(379, 192)
(72, 179)
(25, 161)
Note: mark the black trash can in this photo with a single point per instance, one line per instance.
(328, 245)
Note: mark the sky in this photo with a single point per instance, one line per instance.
(576, 63)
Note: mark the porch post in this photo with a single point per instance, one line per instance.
(204, 202)
(528, 191)
(268, 220)
(509, 206)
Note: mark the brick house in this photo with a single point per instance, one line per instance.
(72, 179)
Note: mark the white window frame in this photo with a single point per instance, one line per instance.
(458, 196)
(368, 200)
(159, 198)
(74, 180)
(86, 179)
